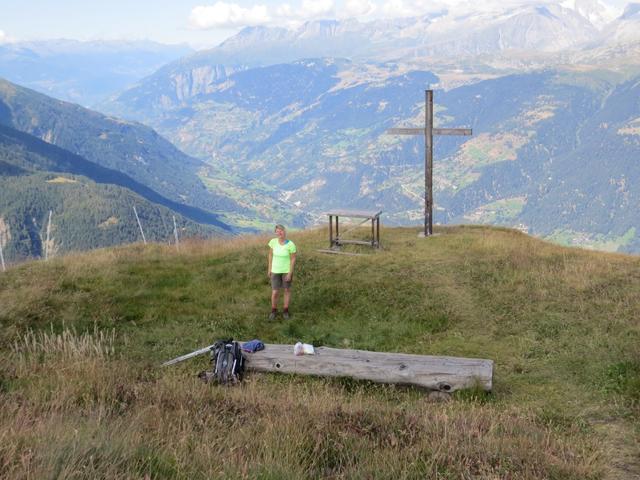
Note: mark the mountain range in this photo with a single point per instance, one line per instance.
(460, 46)
(285, 123)
(532, 32)
(321, 141)
(314, 128)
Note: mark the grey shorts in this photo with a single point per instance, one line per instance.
(278, 282)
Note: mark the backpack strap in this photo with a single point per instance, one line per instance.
(238, 359)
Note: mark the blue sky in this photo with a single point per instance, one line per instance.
(161, 20)
(199, 22)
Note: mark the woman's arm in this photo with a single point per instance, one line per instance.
(292, 262)
(270, 257)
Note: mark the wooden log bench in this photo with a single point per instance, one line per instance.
(444, 374)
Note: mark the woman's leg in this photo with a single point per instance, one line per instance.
(274, 299)
(287, 298)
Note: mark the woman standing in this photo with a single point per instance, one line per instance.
(282, 259)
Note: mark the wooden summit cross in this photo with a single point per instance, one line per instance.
(428, 131)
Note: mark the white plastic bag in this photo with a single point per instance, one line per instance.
(303, 349)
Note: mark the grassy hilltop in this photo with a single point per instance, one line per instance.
(81, 338)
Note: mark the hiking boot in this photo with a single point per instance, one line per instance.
(272, 316)
(285, 315)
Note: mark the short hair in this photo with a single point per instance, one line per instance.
(280, 227)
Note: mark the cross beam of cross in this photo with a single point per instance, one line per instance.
(428, 131)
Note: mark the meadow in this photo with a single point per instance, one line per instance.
(82, 337)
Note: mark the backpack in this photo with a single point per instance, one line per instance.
(227, 363)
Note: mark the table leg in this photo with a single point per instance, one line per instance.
(373, 233)
(330, 231)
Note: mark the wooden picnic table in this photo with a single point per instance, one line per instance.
(337, 240)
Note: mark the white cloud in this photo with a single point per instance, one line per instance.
(316, 8)
(291, 14)
(232, 15)
(414, 8)
(396, 8)
(309, 10)
(222, 14)
(4, 38)
(358, 8)
(285, 11)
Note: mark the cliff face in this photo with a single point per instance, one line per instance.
(198, 80)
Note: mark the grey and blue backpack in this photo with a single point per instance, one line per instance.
(227, 363)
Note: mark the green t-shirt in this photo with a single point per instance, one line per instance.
(281, 260)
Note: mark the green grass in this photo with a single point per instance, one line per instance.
(560, 324)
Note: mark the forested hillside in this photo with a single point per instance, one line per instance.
(91, 206)
(140, 153)
(127, 147)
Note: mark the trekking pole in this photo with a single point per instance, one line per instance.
(139, 224)
(4, 269)
(175, 233)
(46, 245)
(189, 355)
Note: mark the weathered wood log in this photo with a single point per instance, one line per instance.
(445, 374)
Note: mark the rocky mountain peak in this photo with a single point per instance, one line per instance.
(598, 13)
(252, 35)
